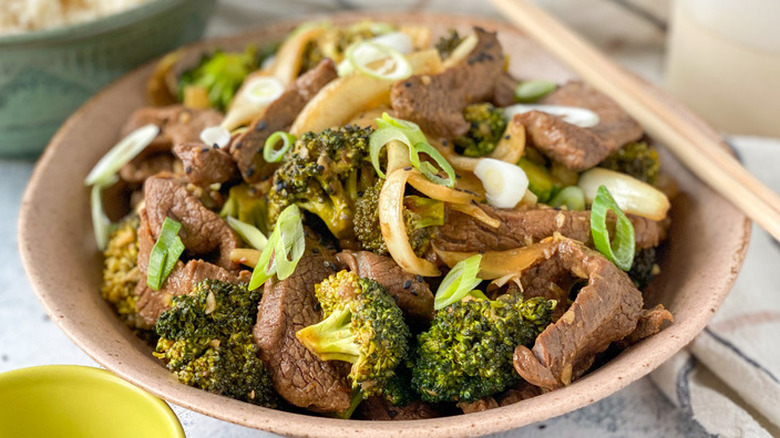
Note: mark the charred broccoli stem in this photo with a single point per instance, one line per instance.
(638, 159)
(120, 269)
(220, 74)
(487, 127)
(325, 173)
(206, 341)
(420, 215)
(362, 326)
(447, 43)
(467, 353)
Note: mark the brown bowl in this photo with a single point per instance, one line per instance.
(704, 253)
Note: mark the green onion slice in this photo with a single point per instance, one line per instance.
(408, 133)
(124, 151)
(621, 249)
(273, 155)
(572, 197)
(364, 55)
(165, 253)
(532, 91)
(249, 233)
(101, 224)
(283, 250)
(459, 282)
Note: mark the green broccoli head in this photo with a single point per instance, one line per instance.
(447, 43)
(487, 127)
(325, 173)
(420, 214)
(362, 326)
(467, 353)
(120, 269)
(220, 74)
(638, 159)
(206, 341)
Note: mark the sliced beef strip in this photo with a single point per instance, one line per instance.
(504, 93)
(605, 311)
(650, 322)
(480, 405)
(520, 227)
(202, 231)
(204, 165)
(436, 102)
(286, 307)
(379, 409)
(177, 124)
(575, 147)
(411, 292)
(247, 149)
(152, 303)
(521, 391)
(142, 167)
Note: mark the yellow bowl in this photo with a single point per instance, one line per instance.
(83, 402)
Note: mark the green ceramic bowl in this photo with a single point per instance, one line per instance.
(46, 75)
(75, 401)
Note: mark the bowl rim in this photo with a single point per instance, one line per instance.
(95, 376)
(93, 27)
(556, 402)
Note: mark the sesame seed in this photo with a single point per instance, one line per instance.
(261, 125)
(507, 137)
(187, 169)
(326, 264)
(206, 149)
(419, 278)
(444, 143)
(238, 145)
(407, 284)
(320, 168)
(250, 171)
(408, 168)
(315, 250)
(407, 84)
(215, 146)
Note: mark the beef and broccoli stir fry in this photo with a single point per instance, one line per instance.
(365, 221)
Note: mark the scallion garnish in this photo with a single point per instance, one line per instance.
(572, 197)
(273, 155)
(459, 282)
(364, 56)
(532, 91)
(249, 233)
(622, 248)
(165, 253)
(283, 250)
(408, 133)
(121, 154)
(101, 224)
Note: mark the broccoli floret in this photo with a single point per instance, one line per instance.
(638, 159)
(120, 269)
(206, 341)
(362, 326)
(487, 127)
(467, 353)
(248, 205)
(325, 173)
(220, 75)
(447, 43)
(420, 215)
(644, 267)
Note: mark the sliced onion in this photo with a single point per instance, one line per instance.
(259, 90)
(245, 256)
(398, 41)
(364, 57)
(477, 213)
(391, 221)
(461, 52)
(215, 136)
(632, 196)
(438, 191)
(581, 117)
(498, 264)
(101, 224)
(505, 183)
(121, 154)
(264, 90)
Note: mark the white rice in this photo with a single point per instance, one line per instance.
(17, 16)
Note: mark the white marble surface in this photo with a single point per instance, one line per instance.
(28, 337)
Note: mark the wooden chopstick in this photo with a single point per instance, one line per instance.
(696, 145)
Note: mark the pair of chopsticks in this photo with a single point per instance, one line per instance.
(695, 144)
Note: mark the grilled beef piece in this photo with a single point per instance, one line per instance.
(605, 311)
(203, 232)
(411, 292)
(143, 166)
(651, 321)
(177, 125)
(286, 307)
(463, 233)
(204, 165)
(152, 303)
(379, 409)
(575, 147)
(436, 102)
(247, 149)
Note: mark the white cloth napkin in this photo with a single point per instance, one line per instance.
(728, 379)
